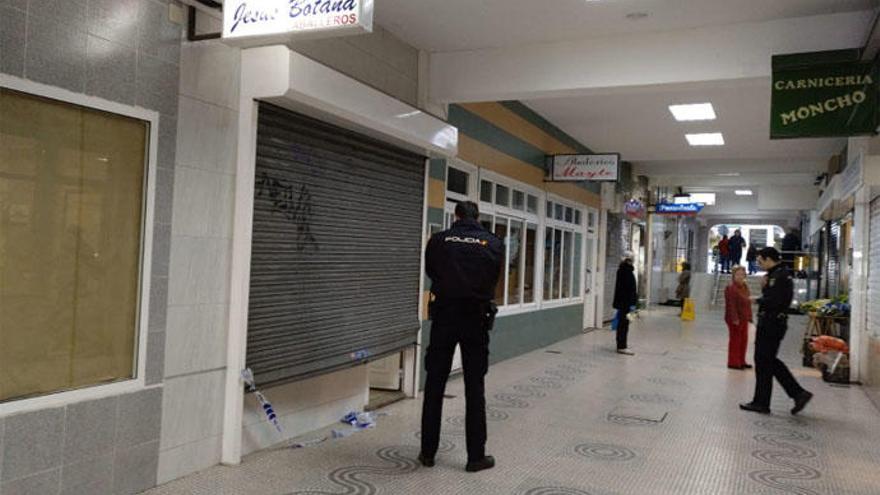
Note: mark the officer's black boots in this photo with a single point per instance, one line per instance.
(487, 462)
(426, 461)
(752, 407)
(801, 401)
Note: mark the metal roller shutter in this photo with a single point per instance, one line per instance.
(873, 306)
(336, 260)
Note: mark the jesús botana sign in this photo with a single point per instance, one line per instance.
(825, 94)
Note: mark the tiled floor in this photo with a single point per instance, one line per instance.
(588, 421)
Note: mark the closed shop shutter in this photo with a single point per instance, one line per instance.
(336, 262)
(873, 305)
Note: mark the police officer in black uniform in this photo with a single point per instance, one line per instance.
(463, 263)
(772, 323)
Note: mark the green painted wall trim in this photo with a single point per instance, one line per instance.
(518, 334)
(435, 215)
(489, 134)
(545, 125)
(437, 169)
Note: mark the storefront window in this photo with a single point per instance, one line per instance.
(457, 181)
(71, 204)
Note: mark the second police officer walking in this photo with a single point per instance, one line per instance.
(464, 264)
(775, 300)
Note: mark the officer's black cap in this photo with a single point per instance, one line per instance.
(770, 253)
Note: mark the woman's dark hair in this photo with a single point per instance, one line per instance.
(467, 210)
(685, 266)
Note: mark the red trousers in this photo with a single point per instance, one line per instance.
(739, 340)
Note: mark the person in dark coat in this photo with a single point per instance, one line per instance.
(735, 247)
(752, 259)
(791, 244)
(626, 296)
(724, 251)
(464, 264)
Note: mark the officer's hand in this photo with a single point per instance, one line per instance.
(764, 280)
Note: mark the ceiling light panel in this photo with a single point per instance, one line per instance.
(707, 139)
(693, 112)
(743, 192)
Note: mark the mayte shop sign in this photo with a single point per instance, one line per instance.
(599, 168)
(264, 22)
(824, 94)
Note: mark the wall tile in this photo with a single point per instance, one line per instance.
(158, 310)
(68, 12)
(92, 476)
(190, 458)
(161, 251)
(158, 289)
(160, 76)
(31, 443)
(110, 70)
(16, 4)
(12, 39)
(155, 358)
(196, 339)
(139, 418)
(157, 36)
(165, 104)
(134, 470)
(209, 72)
(113, 20)
(45, 483)
(199, 271)
(207, 136)
(193, 408)
(164, 195)
(56, 53)
(204, 203)
(167, 141)
(90, 430)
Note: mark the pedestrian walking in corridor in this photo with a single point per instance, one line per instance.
(626, 296)
(737, 315)
(464, 264)
(775, 300)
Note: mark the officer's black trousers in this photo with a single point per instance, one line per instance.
(458, 324)
(767, 366)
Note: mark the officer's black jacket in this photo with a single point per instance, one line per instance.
(778, 292)
(464, 262)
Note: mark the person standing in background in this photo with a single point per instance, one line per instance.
(724, 251)
(626, 297)
(735, 248)
(752, 259)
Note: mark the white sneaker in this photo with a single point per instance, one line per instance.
(626, 351)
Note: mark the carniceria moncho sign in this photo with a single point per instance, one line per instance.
(265, 22)
(818, 95)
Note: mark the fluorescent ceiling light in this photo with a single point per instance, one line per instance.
(729, 174)
(743, 192)
(696, 111)
(707, 139)
(707, 199)
(681, 199)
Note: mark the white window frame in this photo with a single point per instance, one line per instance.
(576, 295)
(98, 391)
(509, 213)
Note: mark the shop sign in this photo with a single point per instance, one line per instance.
(852, 176)
(594, 168)
(265, 22)
(634, 209)
(679, 208)
(825, 94)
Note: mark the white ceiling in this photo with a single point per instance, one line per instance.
(638, 124)
(452, 25)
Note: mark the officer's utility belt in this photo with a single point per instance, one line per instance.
(773, 316)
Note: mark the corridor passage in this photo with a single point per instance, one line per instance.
(577, 418)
